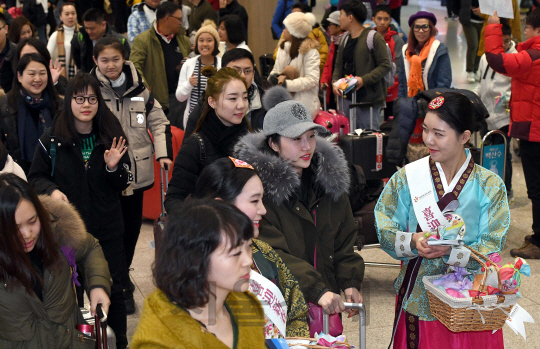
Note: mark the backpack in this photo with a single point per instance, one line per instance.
(389, 77)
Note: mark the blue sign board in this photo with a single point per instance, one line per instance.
(493, 158)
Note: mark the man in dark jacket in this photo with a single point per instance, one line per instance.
(202, 10)
(232, 7)
(243, 62)
(82, 44)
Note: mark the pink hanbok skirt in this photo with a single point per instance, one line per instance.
(434, 335)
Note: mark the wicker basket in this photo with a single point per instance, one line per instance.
(472, 313)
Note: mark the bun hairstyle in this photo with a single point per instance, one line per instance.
(457, 111)
(274, 96)
(222, 179)
(217, 80)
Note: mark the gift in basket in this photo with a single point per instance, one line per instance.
(486, 309)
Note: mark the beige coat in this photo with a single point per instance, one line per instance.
(304, 89)
(137, 113)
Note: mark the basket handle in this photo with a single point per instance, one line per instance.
(480, 258)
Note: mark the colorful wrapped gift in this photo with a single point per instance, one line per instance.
(511, 275)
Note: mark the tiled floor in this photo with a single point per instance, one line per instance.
(378, 290)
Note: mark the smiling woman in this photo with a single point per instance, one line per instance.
(192, 83)
(32, 99)
(222, 123)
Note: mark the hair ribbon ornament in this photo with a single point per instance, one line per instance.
(436, 103)
(240, 163)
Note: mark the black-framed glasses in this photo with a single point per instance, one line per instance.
(423, 27)
(247, 71)
(81, 99)
(178, 18)
(5, 25)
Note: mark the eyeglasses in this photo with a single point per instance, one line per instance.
(5, 25)
(178, 18)
(423, 27)
(81, 99)
(247, 71)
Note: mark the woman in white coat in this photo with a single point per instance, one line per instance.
(192, 84)
(300, 52)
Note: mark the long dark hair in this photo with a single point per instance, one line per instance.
(15, 265)
(193, 232)
(14, 95)
(105, 124)
(40, 47)
(222, 179)
(294, 51)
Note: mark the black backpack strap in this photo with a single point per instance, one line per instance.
(149, 104)
(202, 156)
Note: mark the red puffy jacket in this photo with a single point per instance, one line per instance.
(524, 69)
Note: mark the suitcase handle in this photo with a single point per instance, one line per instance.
(101, 327)
(361, 311)
(164, 189)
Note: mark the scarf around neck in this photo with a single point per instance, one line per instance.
(415, 83)
(28, 131)
(222, 137)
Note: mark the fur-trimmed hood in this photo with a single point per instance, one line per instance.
(306, 45)
(280, 179)
(67, 225)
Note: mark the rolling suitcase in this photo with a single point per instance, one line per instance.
(367, 150)
(151, 208)
(362, 323)
(334, 122)
(103, 335)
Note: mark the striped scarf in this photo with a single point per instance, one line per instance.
(70, 69)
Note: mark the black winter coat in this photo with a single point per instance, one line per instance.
(7, 71)
(9, 132)
(93, 190)
(218, 141)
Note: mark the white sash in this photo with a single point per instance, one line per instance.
(271, 299)
(428, 214)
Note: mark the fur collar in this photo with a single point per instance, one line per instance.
(281, 180)
(67, 225)
(306, 45)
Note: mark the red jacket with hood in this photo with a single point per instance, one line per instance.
(524, 69)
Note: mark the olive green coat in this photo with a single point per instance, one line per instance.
(29, 323)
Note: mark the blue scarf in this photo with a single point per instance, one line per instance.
(29, 133)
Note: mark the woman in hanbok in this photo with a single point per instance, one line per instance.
(459, 190)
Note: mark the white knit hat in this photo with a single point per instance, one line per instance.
(300, 24)
(208, 26)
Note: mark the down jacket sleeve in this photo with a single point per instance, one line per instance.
(184, 87)
(311, 281)
(311, 73)
(157, 123)
(513, 64)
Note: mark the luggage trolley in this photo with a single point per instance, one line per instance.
(361, 313)
(494, 154)
(373, 127)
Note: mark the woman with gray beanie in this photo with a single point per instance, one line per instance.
(309, 221)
